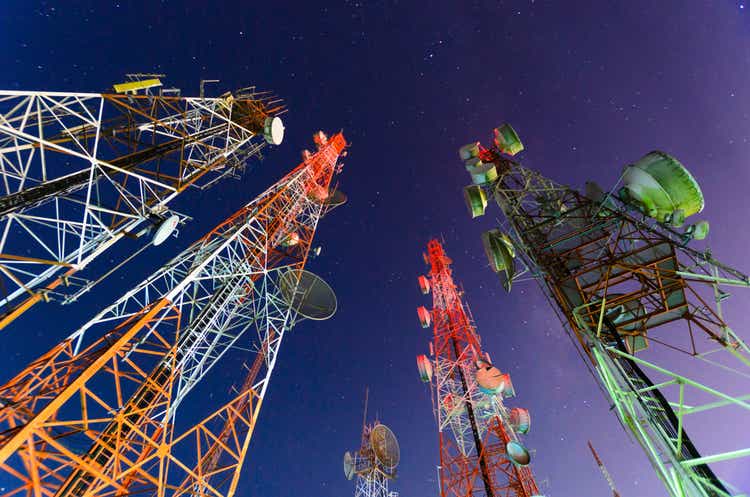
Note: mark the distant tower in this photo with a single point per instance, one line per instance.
(113, 409)
(82, 171)
(604, 471)
(480, 450)
(620, 271)
(374, 464)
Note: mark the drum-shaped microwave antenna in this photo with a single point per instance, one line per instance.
(424, 284)
(507, 140)
(311, 297)
(385, 446)
(520, 420)
(662, 188)
(425, 368)
(500, 254)
(476, 200)
(424, 317)
(273, 130)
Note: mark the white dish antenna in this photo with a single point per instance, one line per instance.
(165, 229)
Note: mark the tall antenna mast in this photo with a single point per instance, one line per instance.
(83, 171)
(100, 413)
(621, 272)
(374, 463)
(604, 471)
(481, 453)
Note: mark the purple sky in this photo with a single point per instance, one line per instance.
(589, 86)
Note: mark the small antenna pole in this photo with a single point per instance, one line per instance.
(364, 416)
(604, 471)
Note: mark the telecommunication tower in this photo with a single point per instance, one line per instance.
(604, 471)
(81, 171)
(100, 413)
(480, 449)
(620, 270)
(374, 464)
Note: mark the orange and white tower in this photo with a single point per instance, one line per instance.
(100, 414)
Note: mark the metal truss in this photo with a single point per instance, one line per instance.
(81, 171)
(626, 287)
(473, 427)
(371, 481)
(98, 414)
(375, 485)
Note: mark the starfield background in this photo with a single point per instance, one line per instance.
(589, 86)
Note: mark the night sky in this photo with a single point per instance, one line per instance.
(589, 86)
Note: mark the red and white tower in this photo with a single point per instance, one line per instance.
(480, 449)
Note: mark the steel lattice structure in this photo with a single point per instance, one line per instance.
(371, 481)
(99, 413)
(374, 463)
(81, 171)
(633, 293)
(475, 428)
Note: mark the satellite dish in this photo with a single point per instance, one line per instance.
(385, 446)
(311, 298)
(165, 229)
(273, 130)
(520, 419)
(335, 199)
(517, 453)
(349, 465)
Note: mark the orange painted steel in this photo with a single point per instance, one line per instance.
(92, 422)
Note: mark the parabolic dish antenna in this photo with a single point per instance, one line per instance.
(385, 446)
(312, 298)
(348, 465)
(335, 199)
(165, 229)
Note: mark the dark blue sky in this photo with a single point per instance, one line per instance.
(588, 85)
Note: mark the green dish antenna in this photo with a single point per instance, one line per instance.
(501, 254)
(662, 188)
(507, 140)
